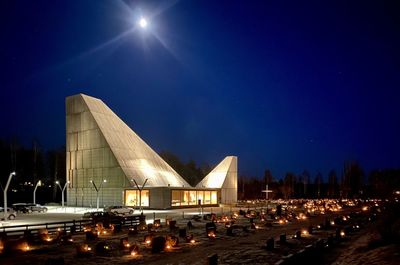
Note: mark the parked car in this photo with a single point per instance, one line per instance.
(19, 207)
(87, 216)
(11, 214)
(120, 210)
(29, 208)
(103, 217)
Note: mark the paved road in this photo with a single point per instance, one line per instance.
(58, 214)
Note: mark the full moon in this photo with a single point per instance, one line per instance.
(143, 22)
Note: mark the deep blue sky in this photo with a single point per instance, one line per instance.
(284, 85)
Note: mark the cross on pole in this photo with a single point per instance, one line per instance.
(266, 191)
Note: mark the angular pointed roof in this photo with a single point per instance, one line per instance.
(137, 160)
(219, 177)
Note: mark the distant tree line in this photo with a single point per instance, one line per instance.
(33, 163)
(352, 183)
(192, 173)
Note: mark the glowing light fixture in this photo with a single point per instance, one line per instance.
(97, 191)
(62, 191)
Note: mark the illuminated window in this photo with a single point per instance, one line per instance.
(200, 196)
(132, 198)
(192, 197)
(214, 197)
(145, 198)
(176, 198)
(185, 197)
(207, 197)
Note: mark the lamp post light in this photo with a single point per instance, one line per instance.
(62, 191)
(39, 183)
(140, 193)
(97, 191)
(5, 194)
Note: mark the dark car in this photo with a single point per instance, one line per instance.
(103, 217)
(29, 208)
(19, 207)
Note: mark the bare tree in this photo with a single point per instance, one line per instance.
(317, 183)
(306, 178)
(288, 185)
(268, 179)
(352, 179)
(332, 184)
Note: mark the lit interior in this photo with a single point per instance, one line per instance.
(192, 197)
(132, 198)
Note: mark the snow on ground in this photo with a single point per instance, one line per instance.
(246, 246)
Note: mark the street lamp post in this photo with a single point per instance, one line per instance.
(140, 193)
(39, 183)
(62, 191)
(5, 194)
(97, 191)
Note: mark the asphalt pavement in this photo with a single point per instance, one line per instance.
(62, 214)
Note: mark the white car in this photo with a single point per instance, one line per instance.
(120, 210)
(11, 214)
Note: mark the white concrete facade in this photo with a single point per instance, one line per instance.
(223, 177)
(101, 147)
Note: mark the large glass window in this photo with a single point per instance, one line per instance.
(176, 198)
(200, 196)
(185, 197)
(214, 197)
(192, 197)
(145, 198)
(133, 199)
(207, 197)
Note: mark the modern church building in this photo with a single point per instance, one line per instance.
(109, 162)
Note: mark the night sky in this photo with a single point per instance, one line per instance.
(284, 85)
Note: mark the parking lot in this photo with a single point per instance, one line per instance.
(59, 214)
